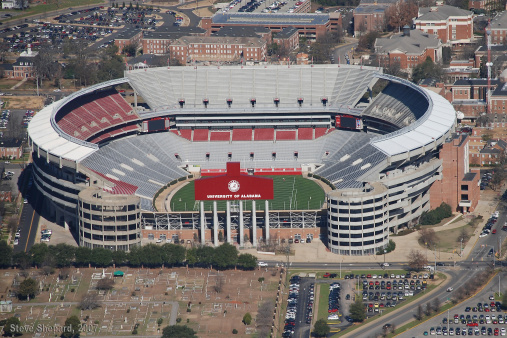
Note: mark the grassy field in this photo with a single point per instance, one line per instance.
(291, 193)
(323, 302)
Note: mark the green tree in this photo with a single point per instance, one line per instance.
(178, 331)
(367, 41)
(172, 254)
(38, 253)
(11, 327)
(357, 310)
(72, 326)
(247, 261)
(321, 328)
(83, 256)
(101, 257)
(22, 260)
(426, 70)
(28, 288)
(129, 49)
(63, 254)
(151, 255)
(5, 255)
(119, 257)
(226, 255)
(247, 318)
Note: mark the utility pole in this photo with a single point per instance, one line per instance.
(489, 64)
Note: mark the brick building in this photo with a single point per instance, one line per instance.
(310, 26)
(409, 48)
(485, 5)
(498, 99)
(157, 42)
(469, 96)
(288, 38)
(129, 36)
(369, 17)
(499, 29)
(11, 149)
(217, 48)
(452, 25)
(458, 187)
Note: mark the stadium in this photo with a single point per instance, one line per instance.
(353, 153)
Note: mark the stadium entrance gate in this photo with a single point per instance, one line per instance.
(233, 186)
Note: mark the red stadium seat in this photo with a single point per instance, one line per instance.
(242, 134)
(305, 134)
(220, 135)
(264, 134)
(288, 135)
(201, 135)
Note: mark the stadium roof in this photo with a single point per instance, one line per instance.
(43, 134)
(435, 124)
(164, 88)
(270, 19)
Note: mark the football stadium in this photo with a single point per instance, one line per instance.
(352, 154)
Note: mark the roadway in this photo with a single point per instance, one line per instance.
(458, 273)
(29, 219)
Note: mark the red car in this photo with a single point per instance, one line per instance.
(326, 275)
(493, 231)
(473, 324)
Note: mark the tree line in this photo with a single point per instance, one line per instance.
(48, 257)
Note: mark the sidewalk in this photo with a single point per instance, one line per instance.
(318, 252)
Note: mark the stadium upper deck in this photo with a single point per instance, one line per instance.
(321, 91)
(266, 117)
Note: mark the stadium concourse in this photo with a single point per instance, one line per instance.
(101, 161)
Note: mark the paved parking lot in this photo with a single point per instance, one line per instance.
(468, 318)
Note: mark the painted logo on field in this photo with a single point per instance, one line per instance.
(233, 186)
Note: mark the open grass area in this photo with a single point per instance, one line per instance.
(323, 301)
(290, 192)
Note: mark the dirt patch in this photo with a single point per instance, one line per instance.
(203, 12)
(24, 102)
(191, 5)
(142, 296)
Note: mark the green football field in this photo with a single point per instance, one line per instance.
(291, 193)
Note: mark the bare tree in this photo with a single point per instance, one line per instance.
(105, 284)
(420, 312)
(400, 14)
(436, 304)
(264, 319)
(429, 309)
(90, 301)
(416, 260)
(219, 284)
(64, 273)
(428, 236)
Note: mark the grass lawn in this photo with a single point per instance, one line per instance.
(291, 192)
(323, 301)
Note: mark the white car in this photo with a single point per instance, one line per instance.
(16, 241)
(502, 331)
(57, 90)
(332, 317)
(159, 241)
(483, 234)
(262, 264)
(449, 289)
(385, 264)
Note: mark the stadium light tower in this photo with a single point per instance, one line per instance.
(489, 64)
